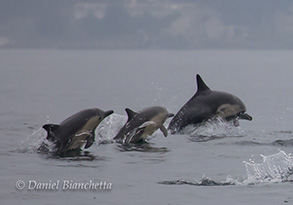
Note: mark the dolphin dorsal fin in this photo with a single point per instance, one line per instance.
(201, 86)
(130, 114)
(50, 127)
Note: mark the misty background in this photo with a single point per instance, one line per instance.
(147, 24)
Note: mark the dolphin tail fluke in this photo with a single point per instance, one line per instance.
(164, 130)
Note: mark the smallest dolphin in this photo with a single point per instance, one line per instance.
(75, 131)
(142, 124)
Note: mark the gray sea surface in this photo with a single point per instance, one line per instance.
(213, 164)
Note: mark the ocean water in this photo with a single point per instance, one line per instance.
(216, 163)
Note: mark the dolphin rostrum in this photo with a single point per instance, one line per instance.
(207, 104)
(142, 124)
(76, 131)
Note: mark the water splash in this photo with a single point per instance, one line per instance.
(33, 142)
(212, 129)
(109, 128)
(274, 168)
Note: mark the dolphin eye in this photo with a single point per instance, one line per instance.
(241, 113)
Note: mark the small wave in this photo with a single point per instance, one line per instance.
(78, 156)
(274, 168)
(204, 181)
(283, 132)
(285, 143)
(249, 143)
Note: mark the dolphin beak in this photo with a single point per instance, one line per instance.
(170, 115)
(107, 113)
(245, 116)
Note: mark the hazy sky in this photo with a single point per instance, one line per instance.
(147, 24)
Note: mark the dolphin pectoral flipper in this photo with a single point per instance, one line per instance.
(148, 123)
(164, 130)
(88, 137)
(78, 140)
(236, 122)
(90, 141)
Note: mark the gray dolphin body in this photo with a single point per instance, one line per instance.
(76, 131)
(207, 104)
(142, 124)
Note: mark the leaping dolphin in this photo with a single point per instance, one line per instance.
(142, 124)
(75, 131)
(207, 104)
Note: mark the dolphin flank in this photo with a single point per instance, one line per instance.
(207, 104)
(75, 131)
(142, 124)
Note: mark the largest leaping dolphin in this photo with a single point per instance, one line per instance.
(206, 104)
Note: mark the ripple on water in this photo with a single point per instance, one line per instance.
(141, 147)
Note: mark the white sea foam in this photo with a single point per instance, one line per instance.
(33, 142)
(216, 127)
(274, 168)
(109, 128)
